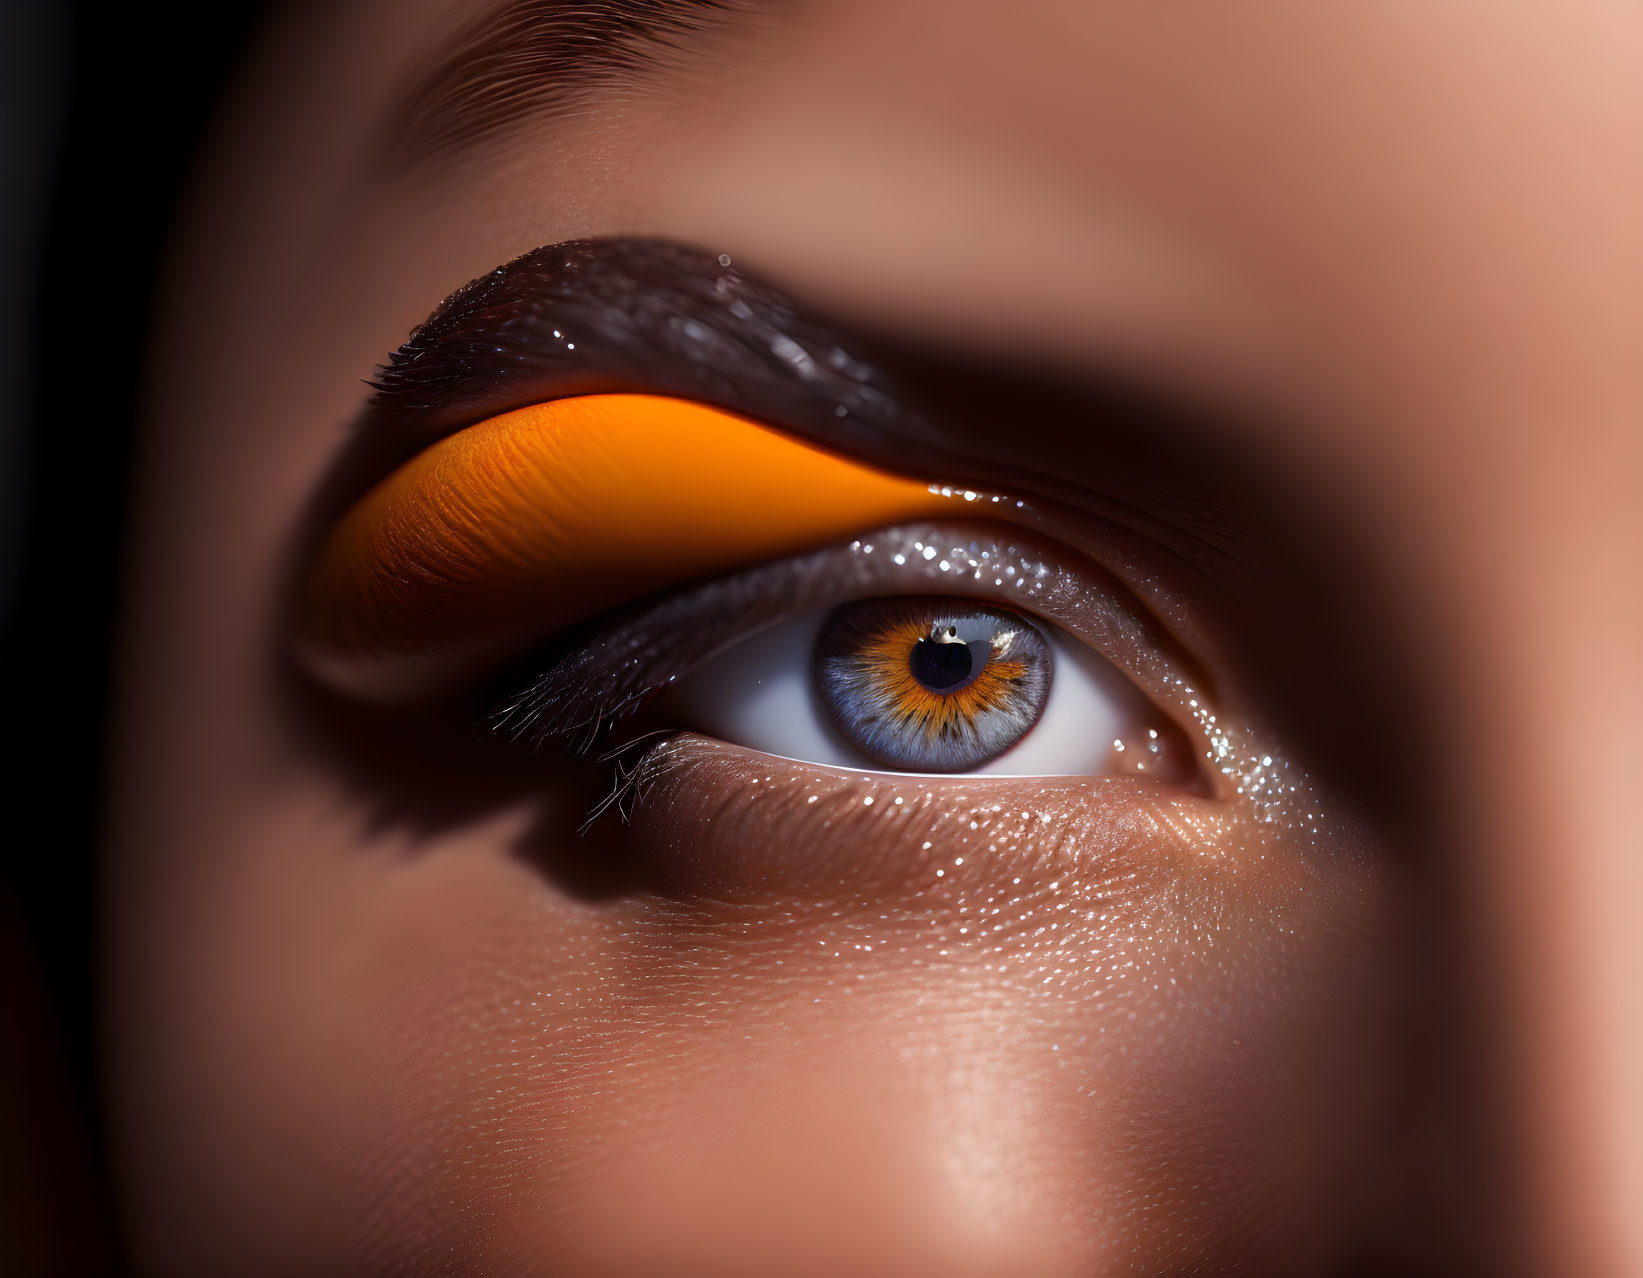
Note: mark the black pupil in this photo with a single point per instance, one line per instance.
(939, 666)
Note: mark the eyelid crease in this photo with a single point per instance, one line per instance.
(532, 521)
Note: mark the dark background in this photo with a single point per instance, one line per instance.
(101, 108)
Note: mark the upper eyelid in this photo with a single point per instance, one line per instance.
(537, 520)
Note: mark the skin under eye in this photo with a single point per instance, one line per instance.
(864, 685)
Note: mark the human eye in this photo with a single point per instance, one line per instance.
(958, 639)
(916, 683)
(944, 647)
(713, 605)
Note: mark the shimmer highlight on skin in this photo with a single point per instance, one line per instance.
(541, 518)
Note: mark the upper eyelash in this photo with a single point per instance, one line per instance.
(609, 671)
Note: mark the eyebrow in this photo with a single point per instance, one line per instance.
(534, 58)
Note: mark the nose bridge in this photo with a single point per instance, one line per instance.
(1565, 909)
(1540, 581)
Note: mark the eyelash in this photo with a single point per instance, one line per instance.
(609, 673)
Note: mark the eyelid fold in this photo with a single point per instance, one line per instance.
(538, 519)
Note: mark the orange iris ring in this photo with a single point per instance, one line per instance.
(935, 715)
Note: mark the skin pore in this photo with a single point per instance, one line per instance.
(376, 1006)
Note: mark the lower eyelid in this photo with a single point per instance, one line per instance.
(720, 822)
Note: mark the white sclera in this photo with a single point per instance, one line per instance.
(762, 694)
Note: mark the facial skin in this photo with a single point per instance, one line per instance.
(1396, 242)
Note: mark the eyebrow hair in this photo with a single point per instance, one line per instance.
(533, 57)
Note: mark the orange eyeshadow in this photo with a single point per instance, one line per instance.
(935, 712)
(535, 520)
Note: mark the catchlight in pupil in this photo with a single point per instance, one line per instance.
(942, 662)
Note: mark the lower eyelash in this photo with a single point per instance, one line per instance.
(638, 766)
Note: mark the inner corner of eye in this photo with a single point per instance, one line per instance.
(930, 684)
